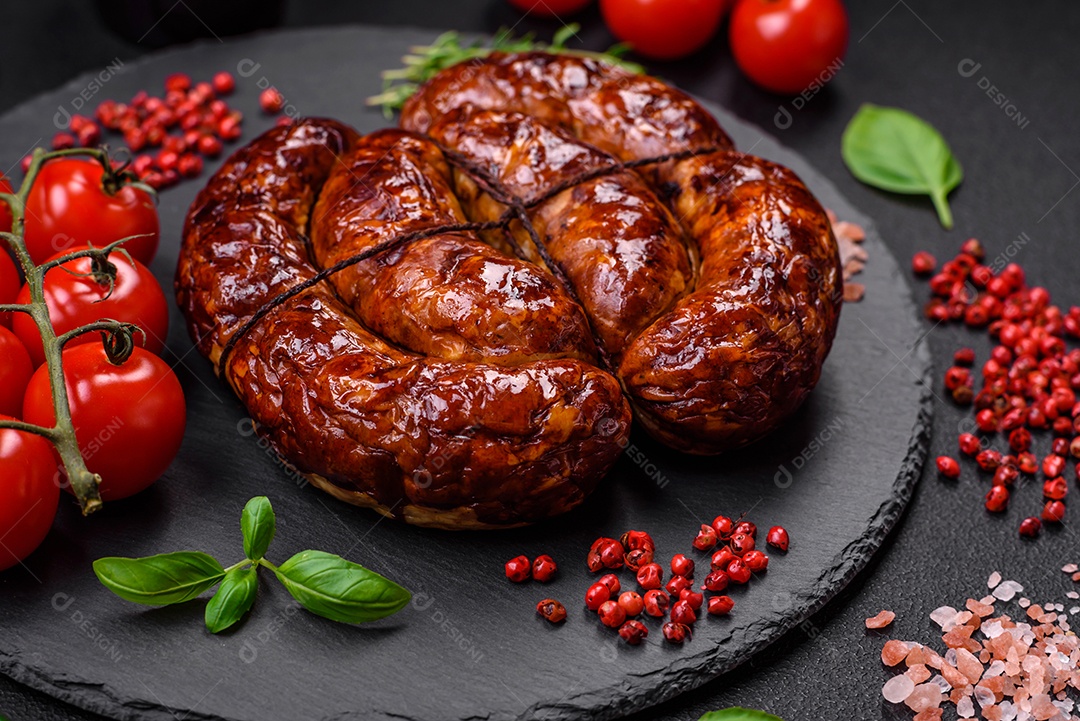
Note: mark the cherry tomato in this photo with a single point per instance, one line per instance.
(9, 284)
(550, 8)
(76, 300)
(129, 418)
(15, 372)
(29, 494)
(69, 206)
(786, 45)
(664, 29)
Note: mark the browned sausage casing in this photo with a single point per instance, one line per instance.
(451, 444)
(732, 359)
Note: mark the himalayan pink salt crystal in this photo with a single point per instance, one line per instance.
(989, 600)
(1070, 568)
(992, 713)
(964, 708)
(984, 696)
(930, 714)
(1024, 602)
(943, 615)
(897, 689)
(1034, 611)
(994, 580)
(925, 696)
(893, 652)
(979, 608)
(1076, 576)
(1007, 590)
(917, 655)
(918, 673)
(883, 619)
(953, 676)
(1072, 594)
(968, 665)
(1042, 708)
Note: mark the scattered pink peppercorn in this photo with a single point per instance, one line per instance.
(650, 576)
(631, 602)
(683, 612)
(551, 610)
(720, 605)
(612, 614)
(633, 632)
(611, 581)
(1030, 527)
(706, 538)
(518, 569)
(656, 603)
(682, 566)
(675, 632)
(544, 568)
(948, 467)
(778, 538)
(596, 596)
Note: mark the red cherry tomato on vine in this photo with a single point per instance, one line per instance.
(129, 418)
(29, 494)
(70, 206)
(664, 29)
(75, 300)
(550, 8)
(9, 284)
(786, 45)
(15, 372)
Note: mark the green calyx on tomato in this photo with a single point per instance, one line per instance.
(76, 202)
(89, 289)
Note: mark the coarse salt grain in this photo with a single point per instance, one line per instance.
(1020, 671)
(1070, 568)
(897, 689)
(994, 580)
(881, 620)
(943, 615)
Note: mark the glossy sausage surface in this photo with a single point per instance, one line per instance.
(739, 352)
(445, 443)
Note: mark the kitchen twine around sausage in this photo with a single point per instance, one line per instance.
(516, 209)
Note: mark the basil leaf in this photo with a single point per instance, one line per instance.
(340, 590)
(739, 714)
(159, 580)
(259, 525)
(894, 150)
(233, 599)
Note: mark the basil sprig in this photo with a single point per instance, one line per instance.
(323, 583)
(894, 150)
(738, 714)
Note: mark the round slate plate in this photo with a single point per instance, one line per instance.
(837, 476)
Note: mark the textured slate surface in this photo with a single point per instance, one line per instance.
(470, 647)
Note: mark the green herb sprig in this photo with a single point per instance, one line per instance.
(894, 150)
(424, 61)
(738, 714)
(323, 583)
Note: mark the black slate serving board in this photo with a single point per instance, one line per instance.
(837, 476)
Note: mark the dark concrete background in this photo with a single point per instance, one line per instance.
(1020, 179)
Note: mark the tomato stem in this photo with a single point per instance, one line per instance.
(117, 336)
